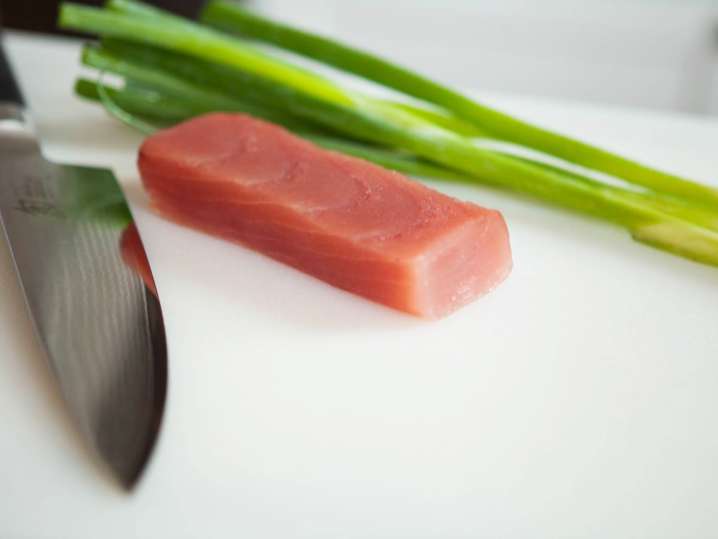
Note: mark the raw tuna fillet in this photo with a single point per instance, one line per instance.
(350, 223)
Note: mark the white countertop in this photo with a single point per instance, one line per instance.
(577, 400)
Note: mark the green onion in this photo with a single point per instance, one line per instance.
(198, 98)
(139, 101)
(194, 40)
(234, 18)
(146, 127)
(192, 69)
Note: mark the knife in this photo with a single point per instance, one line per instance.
(95, 319)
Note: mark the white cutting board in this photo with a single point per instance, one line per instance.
(577, 400)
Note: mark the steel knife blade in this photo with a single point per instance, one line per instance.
(98, 324)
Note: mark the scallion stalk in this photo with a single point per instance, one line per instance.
(232, 17)
(194, 69)
(195, 40)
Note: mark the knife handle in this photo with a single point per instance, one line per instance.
(9, 91)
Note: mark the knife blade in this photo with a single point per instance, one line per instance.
(98, 324)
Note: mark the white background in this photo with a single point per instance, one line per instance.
(659, 54)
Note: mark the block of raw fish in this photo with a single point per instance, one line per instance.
(348, 222)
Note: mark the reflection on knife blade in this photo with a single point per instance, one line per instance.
(134, 256)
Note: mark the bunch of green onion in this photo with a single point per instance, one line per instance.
(174, 69)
